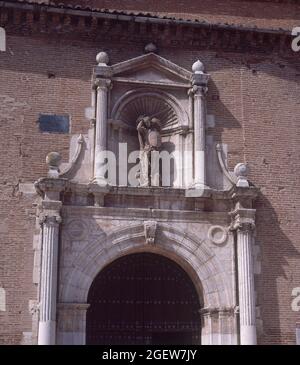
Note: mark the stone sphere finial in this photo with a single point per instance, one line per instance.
(241, 169)
(241, 172)
(198, 67)
(53, 160)
(150, 47)
(102, 59)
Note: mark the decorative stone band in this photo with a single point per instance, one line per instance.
(215, 310)
(73, 306)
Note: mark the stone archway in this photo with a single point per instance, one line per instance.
(194, 256)
(143, 298)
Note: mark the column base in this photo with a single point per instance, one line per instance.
(248, 335)
(47, 332)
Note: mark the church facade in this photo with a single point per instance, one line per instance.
(150, 175)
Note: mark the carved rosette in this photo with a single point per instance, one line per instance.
(217, 234)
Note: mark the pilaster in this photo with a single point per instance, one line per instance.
(244, 224)
(199, 90)
(50, 220)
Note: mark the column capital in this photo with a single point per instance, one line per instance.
(50, 218)
(245, 227)
(243, 220)
(200, 79)
(198, 90)
(103, 84)
(50, 212)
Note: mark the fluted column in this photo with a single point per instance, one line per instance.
(48, 284)
(246, 284)
(199, 135)
(101, 131)
(199, 89)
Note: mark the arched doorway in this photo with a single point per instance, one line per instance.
(143, 298)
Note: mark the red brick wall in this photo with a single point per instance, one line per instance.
(256, 103)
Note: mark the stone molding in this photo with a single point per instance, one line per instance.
(73, 306)
(154, 60)
(217, 310)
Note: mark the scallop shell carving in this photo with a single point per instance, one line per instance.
(150, 106)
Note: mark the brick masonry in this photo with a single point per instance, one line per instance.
(255, 100)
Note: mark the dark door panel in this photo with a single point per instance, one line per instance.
(143, 299)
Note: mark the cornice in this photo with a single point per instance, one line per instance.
(38, 19)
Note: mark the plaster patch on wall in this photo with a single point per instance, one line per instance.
(2, 40)
(10, 108)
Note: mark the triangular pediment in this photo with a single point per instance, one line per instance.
(152, 68)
